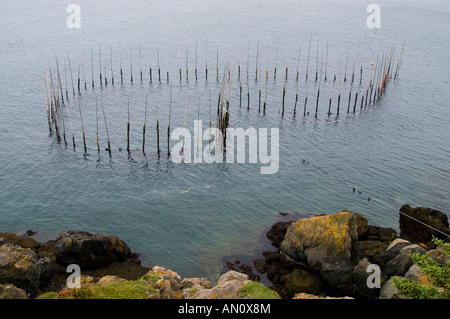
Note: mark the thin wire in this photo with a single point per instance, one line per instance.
(306, 163)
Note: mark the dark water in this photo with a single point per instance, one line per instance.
(188, 216)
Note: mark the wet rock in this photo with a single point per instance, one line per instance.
(89, 251)
(418, 233)
(260, 265)
(22, 241)
(277, 232)
(243, 268)
(301, 280)
(379, 234)
(371, 248)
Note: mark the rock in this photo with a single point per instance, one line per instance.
(417, 232)
(12, 292)
(303, 295)
(400, 264)
(45, 270)
(169, 284)
(388, 291)
(89, 251)
(439, 256)
(360, 276)
(379, 234)
(301, 280)
(391, 251)
(191, 287)
(22, 241)
(243, 268)
(327, 244)
(228, 286)
(371, 248)
(106, 280)
(277, 232)
(415, 274)
(20, 267)
(260, 265)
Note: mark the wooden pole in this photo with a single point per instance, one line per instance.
(92, 67)
(112, 73)
(187, 69)
(140, 62)
(48, 108)
(70, 68)
(120, 65)
(82, 126)
(157, 54)
(170, 114)
(257, 56)
(106, 127)
(145, 123)
(307, 62)
(128, 126)
(100, 60)
(276, 61)
(326, 62)
(206, 64)
(286, 64)
(195, 60)
(59, 80)
(320, 82)
(340, 88)
(131, 64)
(96, 121)
(317, 60)
(157, 128)
(84, 73)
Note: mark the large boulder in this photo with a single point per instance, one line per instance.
(400, 264)
(89, 251)
(328, 244)
(12, 292)
(360, 277)
(19, 267)
(417, 232)
(191, 287)
(228, 287)
(391, 251)
(168, 286)
(301, 280)
(388, 290)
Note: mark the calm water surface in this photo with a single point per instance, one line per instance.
(188, 216)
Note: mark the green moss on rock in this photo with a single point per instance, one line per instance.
(256, 290)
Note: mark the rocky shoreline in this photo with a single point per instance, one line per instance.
(323, 256)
